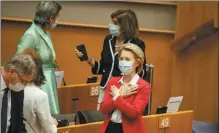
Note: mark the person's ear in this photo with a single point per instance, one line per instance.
(51, 19)
(138, 62)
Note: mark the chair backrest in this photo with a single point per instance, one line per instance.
(149, 79)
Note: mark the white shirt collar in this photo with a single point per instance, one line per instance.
(132, 82)
(3, 85)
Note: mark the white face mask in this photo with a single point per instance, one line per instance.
(17, 87)
(114, 29)
(125, 67)
(55, 24)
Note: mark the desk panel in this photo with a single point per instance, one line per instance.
(181, 122)
(82, 92)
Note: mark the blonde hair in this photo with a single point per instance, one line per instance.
(138, 53)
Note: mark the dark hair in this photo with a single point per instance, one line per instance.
(44, 11)
(134, 16)
(128, 22)
(40, 78)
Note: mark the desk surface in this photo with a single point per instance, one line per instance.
(181, 122)
(79, 85)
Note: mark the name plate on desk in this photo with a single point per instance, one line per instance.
(94, 91)
(164, 122)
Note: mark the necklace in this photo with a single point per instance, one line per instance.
(118, 45)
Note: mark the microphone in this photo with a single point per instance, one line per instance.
(29, 124)
(63, 76)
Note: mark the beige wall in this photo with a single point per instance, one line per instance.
(150, 16)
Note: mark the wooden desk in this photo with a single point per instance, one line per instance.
(83, 92)
(180, 122)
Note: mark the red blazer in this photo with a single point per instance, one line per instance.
(131, 108)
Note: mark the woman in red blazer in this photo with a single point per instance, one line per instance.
(126, 97)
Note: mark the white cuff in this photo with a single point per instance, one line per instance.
(115, 97)
(54, 129)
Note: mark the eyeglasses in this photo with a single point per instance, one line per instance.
(22, 81)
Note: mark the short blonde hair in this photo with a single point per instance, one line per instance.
(137, 51)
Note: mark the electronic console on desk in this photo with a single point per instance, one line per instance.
(65, 119)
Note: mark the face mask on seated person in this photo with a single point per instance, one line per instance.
(114, 29)
(125, 67)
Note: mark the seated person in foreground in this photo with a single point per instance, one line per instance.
(36, 105)
(126, 97)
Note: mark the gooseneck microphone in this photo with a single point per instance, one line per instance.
(29, 124)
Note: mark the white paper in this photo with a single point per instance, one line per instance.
(59, 77)
(174, 104)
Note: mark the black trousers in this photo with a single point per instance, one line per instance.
(114, 128)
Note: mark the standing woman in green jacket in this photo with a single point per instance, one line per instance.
(37, 37)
